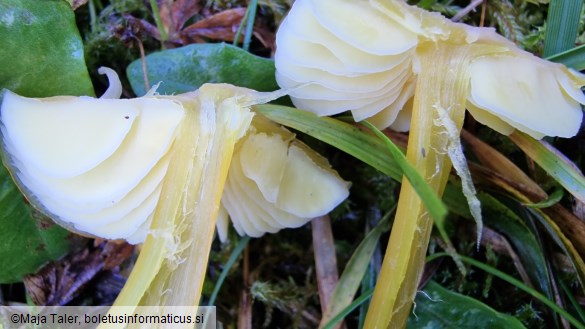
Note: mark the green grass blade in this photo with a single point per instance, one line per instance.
(573, 300)
(518, 284)
(504, 220)
(563, 242)
(356, 303)
(573, 58)
(553, 199)
(429, 198)
(348, 138)
(226, 268)
(562, 25)
(251, 13)
(240, 28)
(341, 135)
(553, 162)
(354, 271)
(159, 23)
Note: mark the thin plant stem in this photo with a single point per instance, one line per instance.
(159, 24)
(469, 8)
(143, 62)
(250, 24)
(92, 15)
(240, 27)
(240, 246)
(355, 304)
(573, 300)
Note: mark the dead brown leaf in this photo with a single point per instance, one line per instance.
(221, 26)
(496, 161)
(57, 283)
(175, 13)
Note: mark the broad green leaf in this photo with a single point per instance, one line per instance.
(518, 284)
(42, 52)
(187, 68)
(41, 55)
(437, 308)
(24, 244)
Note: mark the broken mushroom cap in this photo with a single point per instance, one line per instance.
(276, 182)
(361, 56)
(97, 166)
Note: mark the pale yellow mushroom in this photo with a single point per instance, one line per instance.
(277, 182)
(91, 163)
(364, 56)
(402, 67)
(97, 165)
(153, 169)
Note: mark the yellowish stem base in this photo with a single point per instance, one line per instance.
(171, 267)
(442, 82)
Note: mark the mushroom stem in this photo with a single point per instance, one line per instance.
(171, 267)
(442, 82)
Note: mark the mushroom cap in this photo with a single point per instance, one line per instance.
(97, 166)
(277, 182)
(510, 92)
(361, 56)
(340, 50)
(94, 165)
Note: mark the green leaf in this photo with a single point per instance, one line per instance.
(372, 150)
(562, 241)
(573, 58)
(428, 196)
(187, 68)
(344, 136)
(24, 244)
(518, 284)
(41, 55)
(553, 162)
(354, 271)
(504, 220)
(251, 17)
(42, 52)
(562, 25)
(240, 246)
(553, 199)
(345, 312)
(437, 307)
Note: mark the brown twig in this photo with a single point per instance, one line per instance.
(245, 311)
(483, 8)
(469, 8)
(325, 259)
(143, 61)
